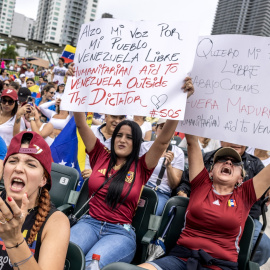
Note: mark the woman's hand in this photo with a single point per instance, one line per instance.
(169, 158)
(71, 70)
(11, 221)
(23, 110)
(86, 173)
(188, 87)
(57, 102)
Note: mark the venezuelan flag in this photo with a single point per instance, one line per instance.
(68, 53)
(34, 91)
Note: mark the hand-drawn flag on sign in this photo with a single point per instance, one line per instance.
(68, 53)
(231, 203)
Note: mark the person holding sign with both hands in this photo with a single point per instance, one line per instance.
(115, 186)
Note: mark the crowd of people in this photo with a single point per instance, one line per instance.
(122, 157)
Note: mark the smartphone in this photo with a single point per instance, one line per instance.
(30, 100)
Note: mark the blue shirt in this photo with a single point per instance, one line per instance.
(37, 101)
(3, 149)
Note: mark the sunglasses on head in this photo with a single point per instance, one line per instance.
(233, 161)
(9, 101)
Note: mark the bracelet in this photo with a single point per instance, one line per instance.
(18, 244)
(32, 119)
(22, 262)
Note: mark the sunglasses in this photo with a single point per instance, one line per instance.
(53, 93)
(9, 101)
(6, 84)
(233, 161)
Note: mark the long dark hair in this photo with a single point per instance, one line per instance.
(117, 181)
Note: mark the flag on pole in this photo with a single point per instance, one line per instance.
(68, 53)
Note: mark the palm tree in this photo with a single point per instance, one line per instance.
(9, 52)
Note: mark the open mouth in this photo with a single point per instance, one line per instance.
(226, 171)
(17, 184)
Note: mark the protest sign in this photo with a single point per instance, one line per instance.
(232, 90)
(138, 68)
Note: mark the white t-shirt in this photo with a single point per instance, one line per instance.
(212, 145)
(59, 74)
(6, 129)
(99, 135)
(146, 126)
(178, 163)
(58, 95)
(251, 150)
(29, 74)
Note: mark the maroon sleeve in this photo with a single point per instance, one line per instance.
(200, 179)
(99, 151)
(248, 193)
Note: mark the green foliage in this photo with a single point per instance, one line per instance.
(9, 52)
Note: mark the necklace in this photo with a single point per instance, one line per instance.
(117, 167)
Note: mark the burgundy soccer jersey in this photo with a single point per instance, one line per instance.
(99, 161)
(214, 222)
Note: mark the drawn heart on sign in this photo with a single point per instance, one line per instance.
(159, 101)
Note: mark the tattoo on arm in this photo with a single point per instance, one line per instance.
(18, 120)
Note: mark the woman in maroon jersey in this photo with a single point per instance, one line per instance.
(218, 208)
(116, 182)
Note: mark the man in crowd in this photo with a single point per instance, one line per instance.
(59, 72)
(29, 73)
(252, 166)
(23, 67)
(23, 81)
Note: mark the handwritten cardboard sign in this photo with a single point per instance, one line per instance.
(125, 67)
(231, 76)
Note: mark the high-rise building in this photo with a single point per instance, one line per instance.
(59, 21)
(6, 15)
(22, 26)
(250, 17)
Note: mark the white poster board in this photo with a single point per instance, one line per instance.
(138, 68)
(231, 77)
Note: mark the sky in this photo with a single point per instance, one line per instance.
(155, 10)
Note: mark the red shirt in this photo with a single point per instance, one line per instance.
(99, 160)
(211, 224)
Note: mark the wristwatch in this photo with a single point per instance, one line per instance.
(32, 119)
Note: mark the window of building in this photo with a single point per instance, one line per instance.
(6, 32)
(54, 28)
(52, 38)
(54, 23)
(58, 4)
(55, 19)
(9, 15)
(57, 9)
(92, 15)
(53, 33)
(93, 10)
(56, 13)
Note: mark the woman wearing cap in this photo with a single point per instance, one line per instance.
(116, 182)
(174, 166)
(32, 115)
(8, 110)
(29, 229)
(60, 91)
(217, 211)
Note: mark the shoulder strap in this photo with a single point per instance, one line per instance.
(163, 167)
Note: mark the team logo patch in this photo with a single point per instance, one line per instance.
(103, 171)
(231, 203)
(129, 177)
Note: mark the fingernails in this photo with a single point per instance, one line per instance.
(9, 199)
